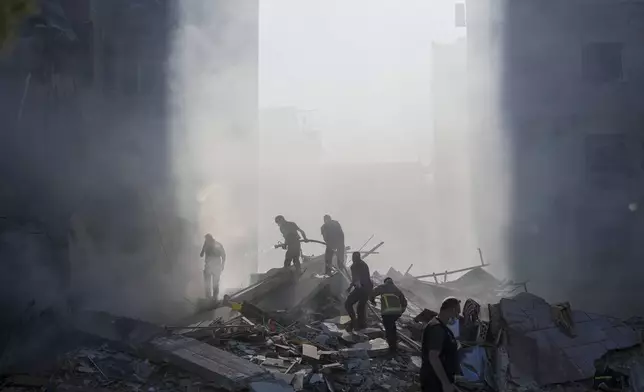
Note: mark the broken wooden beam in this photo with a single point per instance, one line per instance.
(437, 274)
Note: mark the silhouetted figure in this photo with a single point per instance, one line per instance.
(291, 233)
(214, 265)
(440, 350)
(362, 286)
(334, 237)
(392, 305)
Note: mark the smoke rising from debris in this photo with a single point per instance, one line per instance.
(214, 138)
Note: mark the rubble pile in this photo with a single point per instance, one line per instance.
(104, 368)
(287, 332)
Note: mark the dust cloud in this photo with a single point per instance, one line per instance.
(117, 176)
(214, 136)
(345, 127)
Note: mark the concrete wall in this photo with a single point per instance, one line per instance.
(574, 143)
(88, 156)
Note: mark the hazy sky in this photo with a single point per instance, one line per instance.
(363, 66)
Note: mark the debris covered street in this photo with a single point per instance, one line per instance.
(139, 134)
(267, 338)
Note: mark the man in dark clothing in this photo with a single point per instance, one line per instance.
(362, 285)
(334, 237)
(392, 305)
(291, 233)
(214, 265)
(439, 350)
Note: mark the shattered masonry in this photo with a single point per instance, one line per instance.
(287, 334)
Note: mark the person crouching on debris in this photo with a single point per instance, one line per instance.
(440, 350)
(334, 238)
(362, 286)
(214, 265)
(291, 232)
(392, 305)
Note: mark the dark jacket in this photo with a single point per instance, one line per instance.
(290, 232)
(437, 336)
(360, 274)
(386, 290)
(213, 249)
(332, 233)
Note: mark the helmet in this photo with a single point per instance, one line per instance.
(279, 218)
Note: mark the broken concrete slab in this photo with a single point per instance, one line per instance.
(557, 357)
(350, 379)
(323, 339)
(285, 377)
(354, 352)
(268, 386)
(339, 320)
(227, 370)
(298, 380)
(255, 293)
(120, 330)
(356, 364)
(295, 293)
(373, 333)
(311, 352)
(331, 329)
(354, 337)
(373, 347)
(223, 313)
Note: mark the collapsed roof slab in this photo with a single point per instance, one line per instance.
(228, 370)
(295, 293)
(554, 356)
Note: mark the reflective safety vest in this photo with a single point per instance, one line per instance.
(390, 304)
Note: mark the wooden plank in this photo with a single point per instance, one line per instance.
(227, 370)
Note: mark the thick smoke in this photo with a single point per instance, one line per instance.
(102, 169)
(214, 138)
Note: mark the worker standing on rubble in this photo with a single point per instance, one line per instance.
(439, 350)
(392, 305)
(214, 265)
(291, 232)
(334, 238)
(362, 286)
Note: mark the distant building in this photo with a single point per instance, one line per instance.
(567, 77)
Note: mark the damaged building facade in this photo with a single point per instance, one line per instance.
(93, 208)
(559, 82)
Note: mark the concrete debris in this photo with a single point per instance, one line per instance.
(227, 370)
(266, 386)
(287, 332)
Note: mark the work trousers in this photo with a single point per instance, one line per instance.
(389, 322)
(430, 384)
(293, 252)
(331, 249)
(358, 296)
(211, 276)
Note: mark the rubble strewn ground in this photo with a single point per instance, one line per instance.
(287, 333)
